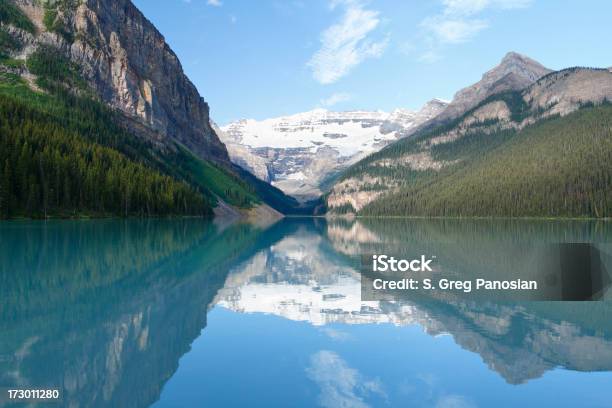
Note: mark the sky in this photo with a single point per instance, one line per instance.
(257, 59)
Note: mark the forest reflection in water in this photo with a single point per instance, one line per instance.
(109, 311)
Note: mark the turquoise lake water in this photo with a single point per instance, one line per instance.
(189, 313)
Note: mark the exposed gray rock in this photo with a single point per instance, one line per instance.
(300, 153)
(242, 155)
(564, 91)
(131, 67)
(514, 72)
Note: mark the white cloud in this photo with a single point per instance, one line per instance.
(453, 30)
(459, 22)
(341, 385)
(214, 3)
(335, 99)
(346, 44)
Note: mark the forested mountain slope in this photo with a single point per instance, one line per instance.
(90, 127)
(51, 167)
(542, 151)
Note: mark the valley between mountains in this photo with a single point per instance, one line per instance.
(524, 141)
(99, 119)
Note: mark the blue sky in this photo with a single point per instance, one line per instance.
(266, 58)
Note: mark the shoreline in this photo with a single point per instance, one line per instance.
(415, 217)
(290, 216)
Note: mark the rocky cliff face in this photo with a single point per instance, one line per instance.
(514, 72)
(299, 153)
(130, 66)
(400, 118)
(243, 156)
(562, 92)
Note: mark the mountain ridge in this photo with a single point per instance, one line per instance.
(445, 145)
(514, 72)
(298, 153)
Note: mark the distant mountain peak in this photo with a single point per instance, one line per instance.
(299, 152)
(515, 56)
(435, 103)
(520, 65)
(438, 101)
(514, 72)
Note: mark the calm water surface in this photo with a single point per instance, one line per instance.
(187, 313)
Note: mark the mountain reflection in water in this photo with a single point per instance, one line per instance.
(115, 313)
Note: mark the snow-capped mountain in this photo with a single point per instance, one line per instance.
(298, 153)
(303, 278)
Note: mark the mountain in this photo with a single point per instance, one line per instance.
(301, 152)
(114, 45)
(164, 274)
(302, 277)
(103, 77)
(514, 73)
(542, 150)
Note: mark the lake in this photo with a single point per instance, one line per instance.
(190, 313)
